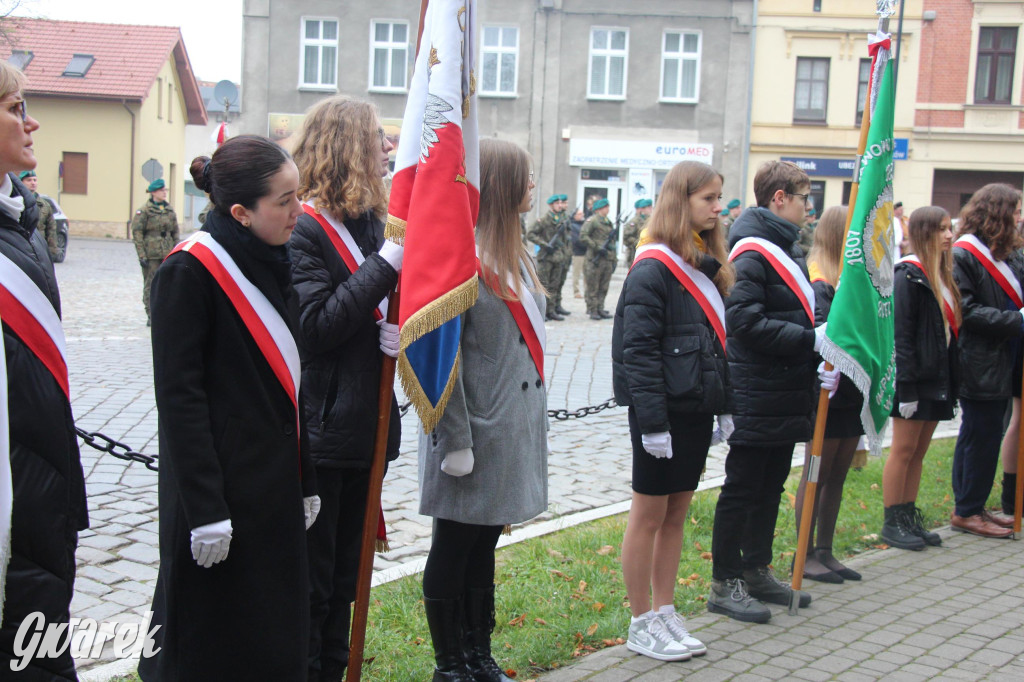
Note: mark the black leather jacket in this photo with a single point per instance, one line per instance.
(927, 367)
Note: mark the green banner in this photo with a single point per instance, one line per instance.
(859, 336)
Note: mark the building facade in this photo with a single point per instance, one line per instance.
(606, 96)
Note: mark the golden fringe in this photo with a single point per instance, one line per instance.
(382, 546)
(507, 530)
(430, 317)
(429, 414)
(394, 229)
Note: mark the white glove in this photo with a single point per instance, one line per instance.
(907, 410)
(388, 338)
(659, 445)
(210, 543)
(829, 379)
(392, 253)
(819, 337)
(311, 507)
(458, 463)
(724, 429)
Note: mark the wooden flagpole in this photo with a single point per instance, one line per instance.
(1018, 495)
(371, 514)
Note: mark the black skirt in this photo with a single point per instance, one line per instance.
(844, 423)
(927, 410)
(691, 438)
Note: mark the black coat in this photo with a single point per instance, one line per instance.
(49, 488)
(991, 328)
(927, 366)
(228, 449)
(340, 342)
(770, 342)
(847, 396)
(665, 354)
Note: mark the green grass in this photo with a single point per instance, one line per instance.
(562, 596)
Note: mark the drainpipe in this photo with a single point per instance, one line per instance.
(750, 105)
(131, 175)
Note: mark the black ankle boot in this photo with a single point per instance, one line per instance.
(444, 617)
(1009, 495)
(479, 625)
(895, 532)
(915, 521)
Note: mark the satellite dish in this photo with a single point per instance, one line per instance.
(225, 93)
(151, 170)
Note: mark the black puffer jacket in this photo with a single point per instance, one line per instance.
(339, 342)
(770, 341)
(927, 367)
(847, 397)
(990, 331)
(665, 355)
(49, 488)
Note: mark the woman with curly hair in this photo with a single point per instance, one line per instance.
(987, 266)
(342, 270)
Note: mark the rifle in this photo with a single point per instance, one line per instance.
(610, 241)
(558, 233)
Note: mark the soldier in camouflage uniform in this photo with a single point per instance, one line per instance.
(554, 257)
(806, 237)
(47, 226)
(565, 243)
(631, 232)
(155, 232)
(730, 214)
(597, 269)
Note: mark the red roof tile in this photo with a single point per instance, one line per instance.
(127, 60)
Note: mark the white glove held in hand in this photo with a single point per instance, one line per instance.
(829, 379)
(388, 338)
(210, 543)
(392, 253)
(724, 430)
(819, 337)
(311, 507)
(659, 445)
(907, 410)
(458, 463)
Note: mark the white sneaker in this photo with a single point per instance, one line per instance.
(677, 626)
(650, 637)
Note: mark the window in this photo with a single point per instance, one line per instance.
(20, 58)
(159, 97)
(74, 172)
(863, 77)
(389, 49)
(319, 64)
(170, 102)
(993, 80)
(78, 66)
(816, 5)
(499, 60)
(680, 66)
(811, 100)
(609, 48)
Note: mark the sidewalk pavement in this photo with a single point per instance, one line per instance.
(949, 613)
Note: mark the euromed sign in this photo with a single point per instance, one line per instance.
(636, 153)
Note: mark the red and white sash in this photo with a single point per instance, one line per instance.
(999, 270)
(785, 266)
(346, 247)
(693, 280)
(268, 328)
(947, 295)
(526, 314)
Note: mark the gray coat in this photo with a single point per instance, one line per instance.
(498, 408)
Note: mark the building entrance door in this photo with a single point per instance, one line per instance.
(603, 184)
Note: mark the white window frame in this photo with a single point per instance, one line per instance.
(499, 50)
(606, 53)
(681, 57)
(305, 42)
(390, 46)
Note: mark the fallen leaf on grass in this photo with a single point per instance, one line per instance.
(510, 673)
(597, 606)
(693, 520)
(696, 545)
(701, 597)
(946, 498)
(540, 621)
(881, 546)
(591, 630)
(706, 556)
(582, 586)
(555, 554)
(507, 645)
(563, 576)
(874, 486)
(792, 499)
(870, 537)
(694, 576)
(606, 550)
(861, 504)
(518, 620)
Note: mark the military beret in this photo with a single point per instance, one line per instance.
(810, 211)
(155, 185)
(735, 203)
(725, 211)
(26, 174)
(642, 203)
(600, 203)
(553, 198)
(898, 204)
(563, 197)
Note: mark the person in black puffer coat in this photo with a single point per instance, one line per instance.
(49, 507)
(772, 358)
(342, 155)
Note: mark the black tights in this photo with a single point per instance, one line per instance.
(461, 557)
(836, 456)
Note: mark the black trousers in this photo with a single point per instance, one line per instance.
(461, 557)
(977, 453)
(748, 506)
(333, 544)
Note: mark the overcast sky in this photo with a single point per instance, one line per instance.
(212, 29)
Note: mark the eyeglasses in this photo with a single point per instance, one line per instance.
(383, 137)
(806, 197)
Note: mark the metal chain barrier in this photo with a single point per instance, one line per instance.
(118, 449)
(562, 415)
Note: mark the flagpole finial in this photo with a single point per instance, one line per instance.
(886, 8)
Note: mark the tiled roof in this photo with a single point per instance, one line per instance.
(127, 60)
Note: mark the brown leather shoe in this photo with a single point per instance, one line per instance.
(1000, 519)
(978, 525)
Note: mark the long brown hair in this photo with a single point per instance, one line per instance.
(504, 180)
(925, 233)
(670, 222)
(338, 156)
(989, 216)
(827, 249)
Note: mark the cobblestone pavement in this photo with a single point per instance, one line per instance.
(950, 613)
(110, 364)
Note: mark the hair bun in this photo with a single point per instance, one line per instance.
(200, 170)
